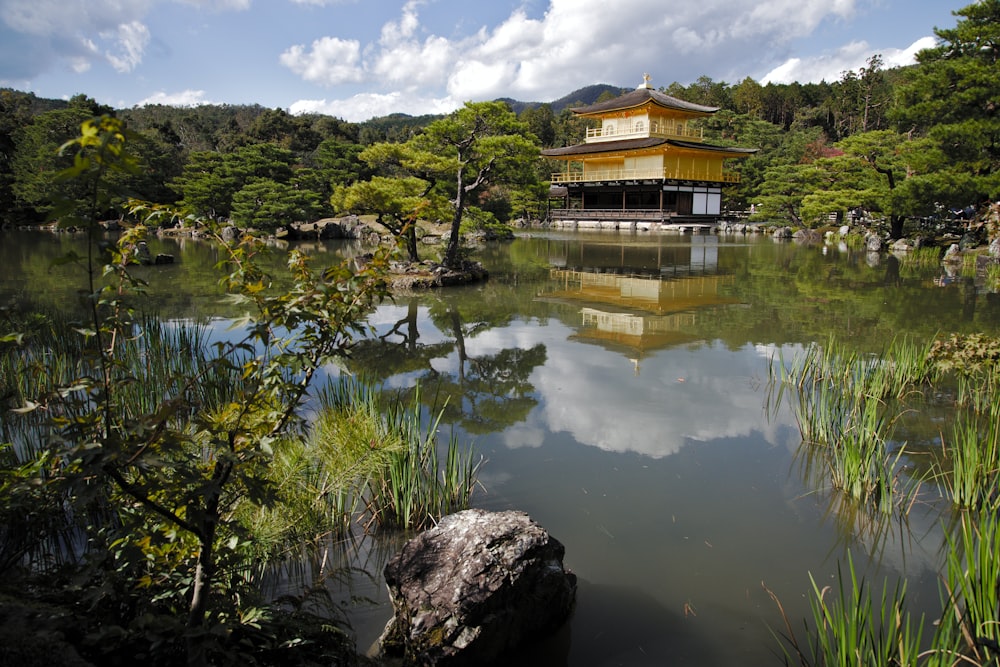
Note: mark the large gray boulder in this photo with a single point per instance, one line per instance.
(807, 236)
(474, 587)
(873, 243)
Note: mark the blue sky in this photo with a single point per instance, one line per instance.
(361, 58)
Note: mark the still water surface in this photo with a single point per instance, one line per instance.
(617, 386)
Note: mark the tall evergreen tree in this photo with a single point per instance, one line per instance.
(953, 98)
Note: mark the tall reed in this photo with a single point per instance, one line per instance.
(924, 256)
(848, 405)
(852, 625)
(973, 480)
(978, 391)
(417, 488)
(379, 447)
(993, 276)
(970, 623)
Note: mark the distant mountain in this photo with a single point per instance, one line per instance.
(578, 98)
(387, 128)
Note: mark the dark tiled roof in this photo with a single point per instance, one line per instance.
(606, 146)
(638, 144)
(640, 96)
(710, 147)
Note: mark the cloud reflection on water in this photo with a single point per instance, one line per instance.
(693, 393)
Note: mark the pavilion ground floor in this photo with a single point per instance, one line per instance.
(635, 204)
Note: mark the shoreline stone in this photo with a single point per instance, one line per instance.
(473, 588)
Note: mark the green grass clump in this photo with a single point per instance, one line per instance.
(993, 276)
(848, 405)
(417, 486)
(970, 623)
(922, 257)
(973, 456)
(391, 457)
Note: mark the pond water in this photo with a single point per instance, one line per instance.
(617, 386)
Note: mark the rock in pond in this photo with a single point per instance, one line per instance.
(477, 585)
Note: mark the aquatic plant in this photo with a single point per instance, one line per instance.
(993, 276)
(969, 268)
(367, 457)
(969, 629)
(847, 406)
(853, 625)
(416, 487)
(921, 257)
(965, 354)
(970, 471)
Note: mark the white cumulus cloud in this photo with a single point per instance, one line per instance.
(363, 106)
(185, 98)
(329, 61)
(831, 66)
(81, 33)
(130, 40)
(576, 43)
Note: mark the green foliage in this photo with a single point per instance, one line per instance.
(481, 144)
(848, 408)
(459, 157)
(267, 205)
(476, 219)
(923, 139)
(967, 354)
(155, 468)
(340, 161)
(854, 625)
(397, 204)
(864, 100)
(38, 161)
(950, 99)
(540, 121)
(970, 623)
(257, 185)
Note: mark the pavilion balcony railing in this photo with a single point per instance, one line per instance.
(640, 129)
(643, 174)
(651, 214)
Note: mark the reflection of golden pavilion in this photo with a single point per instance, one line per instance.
(648, 293)
(638, 312)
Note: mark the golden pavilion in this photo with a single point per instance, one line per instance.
(645, 161)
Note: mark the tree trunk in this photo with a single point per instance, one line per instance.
(454, 241)
(203, 576)
(410, 232)
(196, 656)
(895, 227)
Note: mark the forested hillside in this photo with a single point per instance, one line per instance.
(897, 145)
